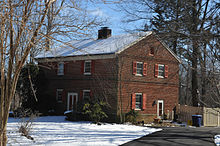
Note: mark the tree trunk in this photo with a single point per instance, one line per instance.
(194, 76)
(194, 57)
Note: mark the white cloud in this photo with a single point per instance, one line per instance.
(98, 12)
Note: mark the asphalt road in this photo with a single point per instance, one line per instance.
(178, 136)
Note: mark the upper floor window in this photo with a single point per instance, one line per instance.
(87, 67)
(59, 95)
(60, 69)
(139, 68)
(161, 71)
(86, 95)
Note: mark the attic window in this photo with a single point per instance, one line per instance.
(151, 53)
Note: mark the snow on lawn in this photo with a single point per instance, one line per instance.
(217, 140)
(54, 130)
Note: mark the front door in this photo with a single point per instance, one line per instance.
(160, 107)
(72, 100)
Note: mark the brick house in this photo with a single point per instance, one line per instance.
(130, 71)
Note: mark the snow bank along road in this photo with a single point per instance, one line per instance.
(54, 130)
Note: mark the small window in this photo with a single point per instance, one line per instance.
(60, 70)
(86, 95)
(139, 68)
(59, 95)
(151, 51)
(87, 68)
(161, 71)
(138, 104)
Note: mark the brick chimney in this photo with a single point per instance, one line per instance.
(104, 33)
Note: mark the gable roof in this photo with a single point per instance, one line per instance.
(111, 45)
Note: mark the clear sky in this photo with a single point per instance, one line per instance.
(109, 11)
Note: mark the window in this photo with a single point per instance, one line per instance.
(59, 95)
(86, 95)
(139, 68)
(151, 53)
(138, 100)
(161, 71)
(60, 70)
(87, 67)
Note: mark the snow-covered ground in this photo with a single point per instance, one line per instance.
(54, 130)
(217, 140)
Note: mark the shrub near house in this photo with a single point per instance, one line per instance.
(130, 72)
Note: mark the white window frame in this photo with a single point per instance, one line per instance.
(159, 76)
(140, 102)
(59, 90)
(137, 74)
(87, 73)
(84, 93)
(60, 71)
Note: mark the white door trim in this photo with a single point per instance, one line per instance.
(158, 102)
(68, 98)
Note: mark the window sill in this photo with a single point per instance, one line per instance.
(139, 75)
(160, 77)
(60, 74)
(137, 109)
(87, 73)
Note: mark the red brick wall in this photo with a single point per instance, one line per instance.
(100, 82)
(166, 89)
(103, 81)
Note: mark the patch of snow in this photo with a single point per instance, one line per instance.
(54, 130)
(110, 45)
(217, 140)
(66, 112)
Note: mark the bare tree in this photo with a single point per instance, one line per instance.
(190, 28)
(23, 33)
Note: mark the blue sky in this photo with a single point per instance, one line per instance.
(108, 11)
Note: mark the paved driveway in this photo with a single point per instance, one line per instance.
(178, 136)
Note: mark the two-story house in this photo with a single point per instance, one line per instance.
(130, 71)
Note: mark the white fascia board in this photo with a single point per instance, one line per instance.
(75, 58)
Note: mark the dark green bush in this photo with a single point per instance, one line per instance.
(131, 116)
(95, 111)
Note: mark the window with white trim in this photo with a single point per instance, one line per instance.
(138, 104)
(86, 95)
(59, 95)
(139, 68)
(87, 67)
(60, 69)
(161, 71)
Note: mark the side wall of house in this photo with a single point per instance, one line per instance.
(155, 89)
